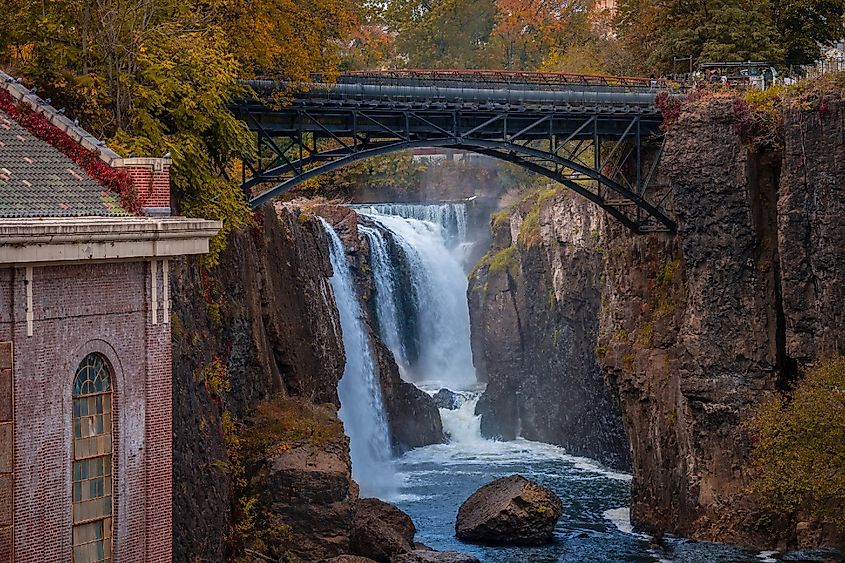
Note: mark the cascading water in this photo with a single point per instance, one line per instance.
(437, 281)
(452, 217)
(421, 312)
(387, 295)
(362, 407)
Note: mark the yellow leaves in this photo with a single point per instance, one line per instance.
(799, 454)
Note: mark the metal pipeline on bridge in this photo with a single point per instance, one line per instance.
(572, 96)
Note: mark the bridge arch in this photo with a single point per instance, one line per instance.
(329, 127)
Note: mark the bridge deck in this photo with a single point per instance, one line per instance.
(545, 123)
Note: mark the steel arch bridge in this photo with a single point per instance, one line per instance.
(546, 123)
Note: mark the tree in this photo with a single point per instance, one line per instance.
(799, 456)
(527, 31)
(441, 33)
(779, 31)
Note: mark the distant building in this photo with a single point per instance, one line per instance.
(85, 346)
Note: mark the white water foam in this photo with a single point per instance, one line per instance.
(362, 407)
(440, 284)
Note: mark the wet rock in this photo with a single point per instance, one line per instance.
(348, 559)
(381, 531)
(430, 556)
(509, 511)
(412, 416)
(446, 399)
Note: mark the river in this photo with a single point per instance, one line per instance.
(423, 318)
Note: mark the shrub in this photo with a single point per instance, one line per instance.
(799, 452)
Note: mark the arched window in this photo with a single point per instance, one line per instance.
(92, 461)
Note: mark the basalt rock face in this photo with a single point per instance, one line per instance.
(697, 329)
(412, 416)
(811, 230)
(534, 305)
(509, 511)
(260, 324)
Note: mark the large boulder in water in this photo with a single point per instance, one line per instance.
(509, 511)
(381, 531)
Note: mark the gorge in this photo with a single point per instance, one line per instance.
(645, 353)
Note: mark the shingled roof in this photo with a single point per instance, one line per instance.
(38, 180)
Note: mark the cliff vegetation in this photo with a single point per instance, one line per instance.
(799, 456)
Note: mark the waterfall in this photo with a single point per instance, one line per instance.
(362, 407)
(388, 297)
(452, 217)
(439, 331)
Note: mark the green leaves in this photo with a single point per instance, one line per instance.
(799, 456)
(779, 31)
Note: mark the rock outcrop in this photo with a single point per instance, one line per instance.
(430, 556)
(244, 332)
(534, 303)
(411, 413)
(509, 511)
(447, 399)
(260, 331)
(381, 531)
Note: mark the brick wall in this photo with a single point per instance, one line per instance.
(79, 309)
(151, 177)
(7, 453)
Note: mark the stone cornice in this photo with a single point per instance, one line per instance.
(73, 239)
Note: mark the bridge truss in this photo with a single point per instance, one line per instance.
(590, 138)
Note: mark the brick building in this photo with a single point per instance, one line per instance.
(85, 350)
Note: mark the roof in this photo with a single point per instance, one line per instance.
(38, 180)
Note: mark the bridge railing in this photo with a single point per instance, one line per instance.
(503, 78)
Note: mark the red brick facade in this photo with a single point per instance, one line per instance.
(79, 309)
(151, 177)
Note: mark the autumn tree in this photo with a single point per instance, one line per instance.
(780, 31)
(441, 33)
(528, 31)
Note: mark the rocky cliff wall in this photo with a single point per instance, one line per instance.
(260, 324)
(257, 352)
(693, 330)
(534, 304)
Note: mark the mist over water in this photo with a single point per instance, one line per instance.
(361, 403)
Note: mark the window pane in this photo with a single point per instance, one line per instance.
(92, 470)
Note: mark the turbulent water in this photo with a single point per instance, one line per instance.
(362, 407)
(430, 238)
(420, 282)
(595, 526)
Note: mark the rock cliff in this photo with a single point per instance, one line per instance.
(691, 331)
(257, 350)
(534, 304)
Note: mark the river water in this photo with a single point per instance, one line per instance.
(424, 320)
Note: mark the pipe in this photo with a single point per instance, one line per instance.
(584, 96)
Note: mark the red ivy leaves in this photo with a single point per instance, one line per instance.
(114, 179)
(670, 107)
